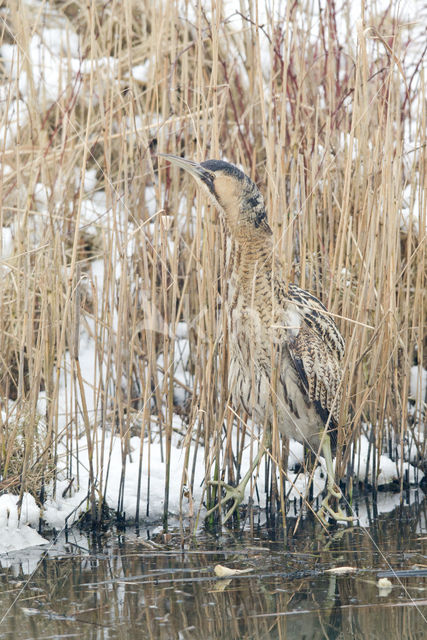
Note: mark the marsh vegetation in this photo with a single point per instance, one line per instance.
(114, 354)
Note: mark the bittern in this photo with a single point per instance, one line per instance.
(285, 349)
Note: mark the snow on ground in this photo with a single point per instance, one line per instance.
(57, 509)
(418, 385)
(65, 509)
(51, 65)
(16, 532)
(389, 470)
(411, 212)
(71, 501)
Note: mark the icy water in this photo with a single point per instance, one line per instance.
(155, 585)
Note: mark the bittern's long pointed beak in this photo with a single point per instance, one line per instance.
(194, 168)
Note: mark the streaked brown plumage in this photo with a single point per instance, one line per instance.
(286, 350)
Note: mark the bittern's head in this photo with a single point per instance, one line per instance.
(234, 194)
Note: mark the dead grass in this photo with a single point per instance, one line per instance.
(316, 113)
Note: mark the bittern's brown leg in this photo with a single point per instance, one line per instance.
(326, 509)
(238, 493)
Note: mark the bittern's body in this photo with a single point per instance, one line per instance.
(280, 360)
(286, 350)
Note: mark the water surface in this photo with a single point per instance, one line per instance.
(156, 585)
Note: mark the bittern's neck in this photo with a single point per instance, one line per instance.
(254, 254)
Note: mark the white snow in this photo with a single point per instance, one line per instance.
(413, 212)
(17, 533)
(6, 248)
(389, 470)
(92, 208)
(56, 510)
(140, 71)
(16, 117)
(51, 66)
(41, 194)
(22, 537)
(89, 179)
(418, 384)
(71, 500)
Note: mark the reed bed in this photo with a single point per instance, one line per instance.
(104, 243)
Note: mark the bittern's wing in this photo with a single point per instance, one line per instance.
(319, 371)
(316, 351)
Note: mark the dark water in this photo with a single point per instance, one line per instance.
(122, 585)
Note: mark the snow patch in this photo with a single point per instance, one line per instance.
(15, 532)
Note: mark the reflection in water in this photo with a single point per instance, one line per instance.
(128, 586)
